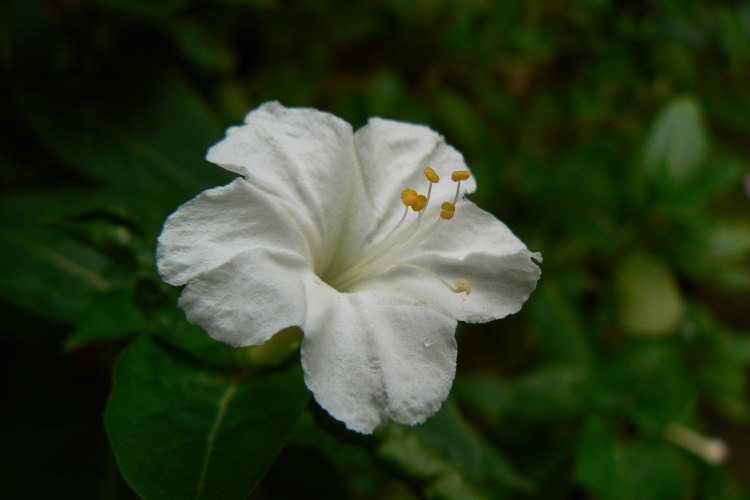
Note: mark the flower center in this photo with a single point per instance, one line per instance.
(405, 236)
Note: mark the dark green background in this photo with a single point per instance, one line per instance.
(614, 137)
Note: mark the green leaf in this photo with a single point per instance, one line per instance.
(677, 144)
(451, 436)
(182, 430)
(559, 327)
(461, 118)
(366, 478)
(170, 324)
(205, 48)
(44, 272)
(435, 476)
(647, 382)
(721, 363)
(449, 459)
(146, 147)
(112, 316)
(548, 394)
(615, 469)
(650, 302)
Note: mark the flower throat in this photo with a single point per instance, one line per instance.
(387, 252)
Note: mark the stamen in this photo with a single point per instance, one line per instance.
(420, 203)
(462, 286)
(460, 175)
(448, 210)
(387, 252)
(409, 197)
(395, 228)
(384, 255)
(431, 175)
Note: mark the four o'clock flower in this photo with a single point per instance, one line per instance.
(363, 240)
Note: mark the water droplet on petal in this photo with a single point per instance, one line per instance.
(427, 342)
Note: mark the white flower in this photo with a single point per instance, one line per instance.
(315, 234)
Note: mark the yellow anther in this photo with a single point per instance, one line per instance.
(409, 197)
(419, 203)
(462, 286)
(447, 214)
(460, 175)
(448, 206)
(431, 175)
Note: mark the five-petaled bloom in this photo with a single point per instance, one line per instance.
(324, 230)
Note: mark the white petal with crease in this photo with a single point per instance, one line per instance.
(248, 299)
(306, 158)
(220, 223)
(497, 265)
(370, 356)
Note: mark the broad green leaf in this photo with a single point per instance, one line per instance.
(182, 430)
(205, 48)
(722, 357)
(145, 145)
(648, 383)
(342, 450)
(677, 144)
(45, 272)
(461, 118)
(729, 240)
(447, 458)
(451, 436)
(549, 394)
(111, 316)
(49, 206)
(434, 475)
(385, 94)
(559, 327)
(43, 269)
(725, 254)
(612, 468)
(649, 300)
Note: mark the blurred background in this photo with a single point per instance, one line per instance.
(613, 137)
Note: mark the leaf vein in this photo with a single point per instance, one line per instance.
(220, 414)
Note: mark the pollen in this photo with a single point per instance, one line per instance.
(407, 234)
(462, 286)
(447, 210)
(419, 203)
(409, 197)
(431, 175)
(460, 175)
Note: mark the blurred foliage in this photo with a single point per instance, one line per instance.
(611, 136)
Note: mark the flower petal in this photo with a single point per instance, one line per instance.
(477, 247)
(370, 356)
(306, 159)
(220, 223)
(249, 298)
(393, 156)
